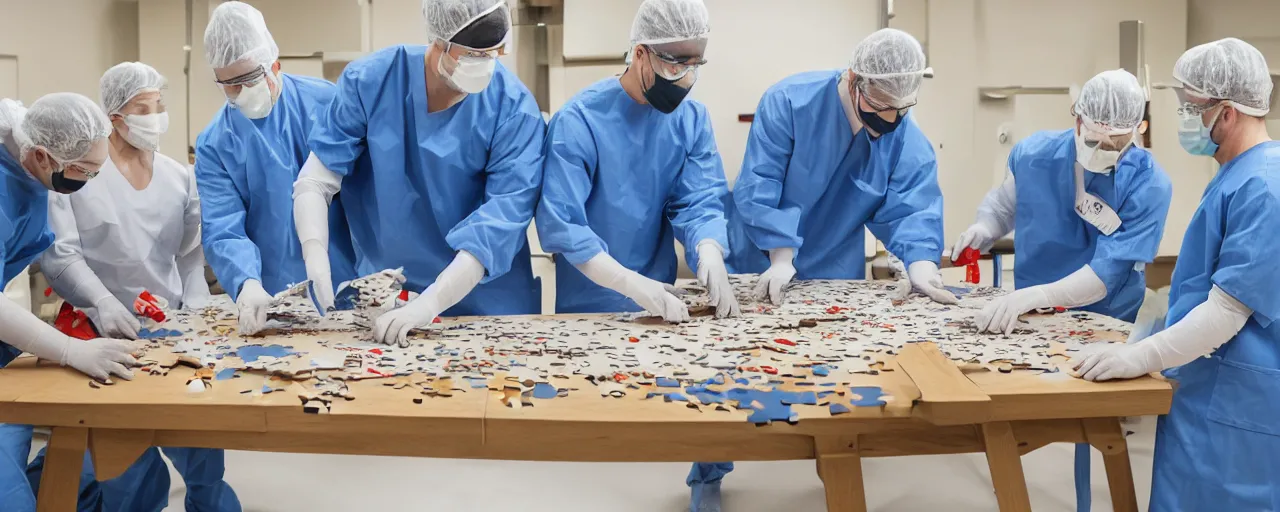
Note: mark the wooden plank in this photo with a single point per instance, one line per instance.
(1107, 436)
(1027, 396)
(113, 450)
(60, 483)
(840, 468)
(947, 397)
(1006, 467)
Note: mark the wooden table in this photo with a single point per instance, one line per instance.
(936, 409)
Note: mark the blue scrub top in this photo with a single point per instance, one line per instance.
(1053, 241)
(24, 225)
(1218, 446)
(810, 183)
(245, 170)
(623, 178)
(421, 186)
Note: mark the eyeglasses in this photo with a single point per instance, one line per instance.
(467, 51)
(881, 107)
(671, 67)
(1196, 109)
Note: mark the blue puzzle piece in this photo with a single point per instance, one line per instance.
(667, 382)
(771, 404)
(149, 334)
(675, 397)
(478, 384)
(836, 409)
(958, 291)
(544, 391)
(821, 371)
(710, 398)
(870, 396)
(652, 394)
(225, 374)
(345, 299)
(251, 353)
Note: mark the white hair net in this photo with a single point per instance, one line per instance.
(238, 33)
(1111, 102)
(670, 21)
(124, 81)
(892, 62)
(66, 124)
(1228, 69)
(445, 18)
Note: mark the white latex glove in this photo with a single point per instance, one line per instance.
(713, 275)
(979, 236)
(655, 297)
(1001, 314)
(1117, 362)
(455, 282)
(252, 302)
(312, 192)
(316, 257)
(101, 358)
(772, 285)
(115, 320)
(1080, 288)
(925, 279)
(1205, 328)
(995, 219)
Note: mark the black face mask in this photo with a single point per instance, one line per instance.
(878, 124)
(664, 94)
(63, 185)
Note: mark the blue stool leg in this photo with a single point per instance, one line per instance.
(997, 268)
(1084, 498)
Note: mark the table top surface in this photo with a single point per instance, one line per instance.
(458, 392)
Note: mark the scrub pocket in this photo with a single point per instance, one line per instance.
(1243, 446)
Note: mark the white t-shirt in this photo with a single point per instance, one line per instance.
(129, 240)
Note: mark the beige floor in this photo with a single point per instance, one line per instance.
(286, 482)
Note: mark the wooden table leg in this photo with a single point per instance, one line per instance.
(840, 468)
(60, 484)
(114, 450)
(1107, 436)
(1006, 467)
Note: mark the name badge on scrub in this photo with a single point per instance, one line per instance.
(1092, 209)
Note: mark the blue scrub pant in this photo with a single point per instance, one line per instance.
(17, 494)
(145, 485)
(707, 472)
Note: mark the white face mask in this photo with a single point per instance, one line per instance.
(1095, 159)
(255, 101)
(145, 130)
(471, 74)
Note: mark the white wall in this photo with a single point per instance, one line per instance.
(64, 45)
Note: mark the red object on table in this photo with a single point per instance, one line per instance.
(74, 323)
(147, 305)
(969, 258)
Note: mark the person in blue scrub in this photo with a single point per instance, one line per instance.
(832, 152)
(1218, 446)
(246, 161)
(438, 152)
(1089, 206)
(630, 167)
(58, 144)
(161, 223)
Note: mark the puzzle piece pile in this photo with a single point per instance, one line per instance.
(802, 352)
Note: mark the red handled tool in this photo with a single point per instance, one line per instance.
(969, 259)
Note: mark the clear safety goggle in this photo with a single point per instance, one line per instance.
(674, 68)
(467, 51)
(75, 167)
(249, 79)
(1095, 134)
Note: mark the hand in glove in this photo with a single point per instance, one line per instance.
(1001, 314)
(100, 358)
(316, 258)
(925, 279)
(115, 320)
(452, 285)
(713, 275)
(772, 285)
(980, 236)
(252, 302)
(1117, 362)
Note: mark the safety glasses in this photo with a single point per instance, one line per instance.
(671, 67)
(458, 51)
(248, 79)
